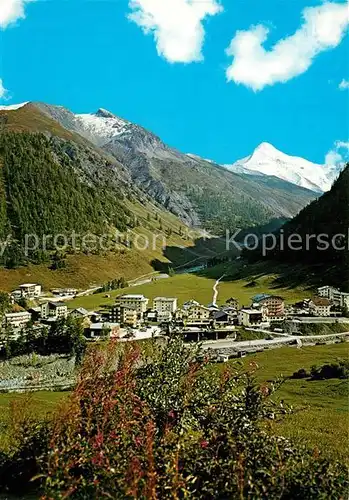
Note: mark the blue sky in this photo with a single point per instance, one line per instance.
(89, 54)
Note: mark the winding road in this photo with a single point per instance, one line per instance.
(216, 291)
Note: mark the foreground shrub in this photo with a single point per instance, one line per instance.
(302, 373)
(333, 370)
(327, 371)
(164, 427)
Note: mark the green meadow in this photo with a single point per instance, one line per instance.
(191, 286)
(321, 407)
(32, 405)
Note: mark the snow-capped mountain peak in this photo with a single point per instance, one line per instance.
(266, 148)
(267, 160)
(104, 113)
(102, 126)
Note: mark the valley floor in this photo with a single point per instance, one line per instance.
(199, 288)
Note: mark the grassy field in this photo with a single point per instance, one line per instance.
(322, 406)
(82, 271)
(44, 402)
(38, 404)
(190, 286)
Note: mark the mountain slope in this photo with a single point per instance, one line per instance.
(318, 235)
(267, 160)
(44, 192)
(41, 181)
(63, 173)
(55, 182)
(196, 190)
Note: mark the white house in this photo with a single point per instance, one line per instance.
(165, 306)
(79, 313)
(197, 313)
(138, 303)
(253, 317)
(129, 316)
(57, 310)
(320, 306)
(327, 291)
(30, 290)
(337, 297)
(345, 300)
(18, 319)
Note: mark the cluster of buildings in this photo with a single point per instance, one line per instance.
(33, 291)
(329, 302)
(46, 313)
(335, 296)
(264, 309)
(134, 311)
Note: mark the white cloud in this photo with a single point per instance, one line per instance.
(177, 25)
(323, 28)
(3, 91)
(338, 155)
(11, 11)
(344, 85)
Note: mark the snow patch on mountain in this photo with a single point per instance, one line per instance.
(102, 126)
(267, 160)
(13, 107)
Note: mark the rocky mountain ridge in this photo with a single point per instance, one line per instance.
(199, 192)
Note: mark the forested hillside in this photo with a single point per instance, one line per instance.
(56, 184)
(45, 194)
(319, 233)
(42, 194)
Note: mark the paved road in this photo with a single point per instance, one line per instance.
(320, 337)
(258, 344)
(226, 344)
